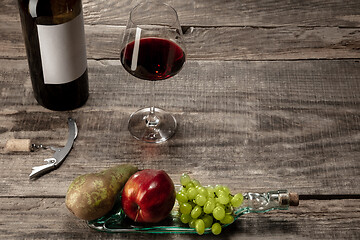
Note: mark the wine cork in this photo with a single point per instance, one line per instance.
(294, 199)
(18, 145)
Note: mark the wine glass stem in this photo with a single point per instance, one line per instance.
(152, 120)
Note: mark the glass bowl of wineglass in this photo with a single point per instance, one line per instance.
(152, 49)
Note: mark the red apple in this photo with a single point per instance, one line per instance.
(148, 196)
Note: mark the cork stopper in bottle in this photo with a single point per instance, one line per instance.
(294, 199)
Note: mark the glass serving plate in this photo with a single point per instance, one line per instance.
(117, 222)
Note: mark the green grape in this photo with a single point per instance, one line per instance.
(189, 185)
(211, 191)
(228, 209)
(208, 220)
(223, 199)
(191, 193)
(227, 219)
(192, 223)
(218, 188)
(200, 200)
(216, 228)
(185, 218)
(181, 197)
(237, 200)
(220, 205)
(196, 211)
(200, 206)
(219, 213)
(185, 208)
(202, 191)
(209, 206)
(200, 226)
(185, 179)
(226, 190)
(192, 204)
(183, 190)
(196, 182)
(220, 193)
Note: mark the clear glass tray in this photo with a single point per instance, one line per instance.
(117, 222)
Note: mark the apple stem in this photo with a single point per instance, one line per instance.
(137, 213)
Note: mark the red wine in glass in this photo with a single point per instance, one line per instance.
(156, 58)
(152, 49)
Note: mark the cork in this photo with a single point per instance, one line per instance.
(18, 145)
(294, 199)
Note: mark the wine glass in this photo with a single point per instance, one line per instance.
(152, 49)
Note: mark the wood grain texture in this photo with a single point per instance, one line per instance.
(205, 43)
(268, 13)
(277, 30)
(268, 99)
(41, 218)
(286, 124)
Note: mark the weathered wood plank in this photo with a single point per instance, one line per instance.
(224, 13)
(252, 125)
(240, 43)
(304, 30)
(48, 217)
(237, 13)
(286, 124)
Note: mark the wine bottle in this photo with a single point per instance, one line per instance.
(54, 37)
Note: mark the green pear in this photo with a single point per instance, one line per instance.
(93, 195)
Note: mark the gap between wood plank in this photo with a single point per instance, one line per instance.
(328, 197)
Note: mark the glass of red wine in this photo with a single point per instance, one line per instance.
(152, 49)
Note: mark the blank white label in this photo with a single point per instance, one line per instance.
(63, 51)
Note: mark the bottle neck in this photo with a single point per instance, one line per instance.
(264, 202)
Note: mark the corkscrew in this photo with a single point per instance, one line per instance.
(22, 145)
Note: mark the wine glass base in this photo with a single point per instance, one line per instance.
(160, 131)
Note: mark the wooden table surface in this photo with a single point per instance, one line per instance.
(268, 99)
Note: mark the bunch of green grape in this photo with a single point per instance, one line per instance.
(206, 206)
